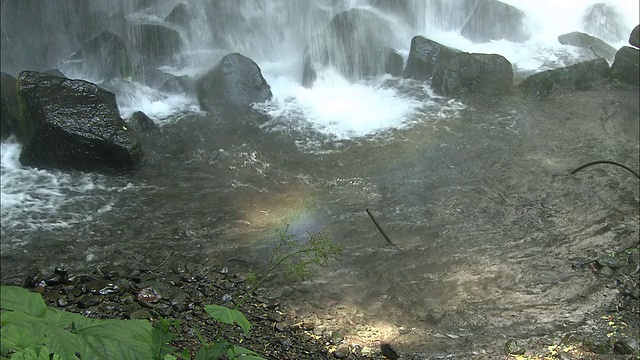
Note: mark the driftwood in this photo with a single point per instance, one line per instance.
(380, 229)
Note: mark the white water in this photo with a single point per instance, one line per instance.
(334, 107)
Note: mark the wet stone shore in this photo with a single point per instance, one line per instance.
(278, 333)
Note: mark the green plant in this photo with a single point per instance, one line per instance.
(31, 330)
(290, 252)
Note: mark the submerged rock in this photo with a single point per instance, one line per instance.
(235, 80)
(180, 15)
(72, 124)
(494, 20)
(8, 105)
(394, 63)
(143, 122)
(156, 42)
(626, 65)
(586, 41)
(425, 56)
(581, 76)
(474, 74)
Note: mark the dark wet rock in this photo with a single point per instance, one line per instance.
(394, 64)
(180, 15)
(634, 37)
(581, 76)
(101, 287)
(62, 302)
(389, 352)
(235, 80)
(87, 300)
(55, 72)
(355, 43)
(604, 21)
(609, 261)
(633, 257)
(73, 124)
(473, 74)
(8, 105)
(425, 55)
(53, 279)
(281, 327)
(104, 57)
(586, 41)
(142, 122)
(156, 42)
(342, 351)
(626, 65)
(336, 337)
(495, 20)
(179, 85)
(626, 345)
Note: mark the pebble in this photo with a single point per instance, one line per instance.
(609, 261)
(605, 271)
(281, 327)
(388, 351)
(342, 351)
(626, 345)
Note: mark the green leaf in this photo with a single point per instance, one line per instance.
(18, 337)
(169, 357)
(117, 339)
(239, 352)
(228, 316)
(64, 343)
(18, 299)
(249, 357)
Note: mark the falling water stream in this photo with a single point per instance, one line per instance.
(471, 193)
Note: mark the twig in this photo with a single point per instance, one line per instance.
(162, 263)
(604, 162)
(380, 228)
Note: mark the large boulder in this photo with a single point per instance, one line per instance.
(424, 56)
(394, 64)
(634, 37)
(155, 42)
(8, 105)
(581, 76)
(591, 43)
(180, 15)
(103, 57)
(473, 74)
(235, 80)
(626, 65)
(495, 20)
(179, 85)
(604, 21)
(356, 43)
(73, 124)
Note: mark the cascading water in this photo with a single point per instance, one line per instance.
(320, 156)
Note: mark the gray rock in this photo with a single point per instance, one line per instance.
(156, 42)
(634, 37)
(394, 63)
(609, 261)
(605, 271)
(626, 345)
(581, 76)
(494, 20)
(388, 351)
(626, 65)
(586, 41)
(180, 15)
(342, 351)
(235, 80)
(633, 257)
(179, 85)
(474, 74)
(73, 124)
(104, 56)
(605, 22)
(424, 56)
(143, 122)
(8, 105)
(139, 314)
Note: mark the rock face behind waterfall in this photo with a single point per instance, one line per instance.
(494, 20)
(473, 74)
(72, 124)
(8, 105)
(605, 22)
(235, 80)
(355, 43)
(424, 56)
(105, 57)
(634, 37)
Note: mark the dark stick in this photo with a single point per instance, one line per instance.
(604, 162)
(381, 231)
(162, 263)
